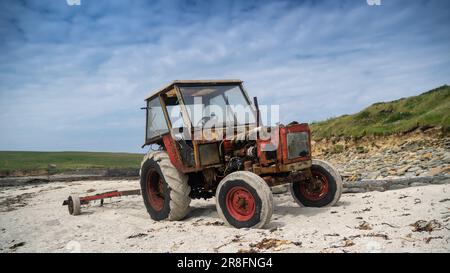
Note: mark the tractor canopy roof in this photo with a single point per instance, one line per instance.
(192, 83)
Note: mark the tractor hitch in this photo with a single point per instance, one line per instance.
(74, 202)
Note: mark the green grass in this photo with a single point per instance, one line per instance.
(35, 161)
(428, 109)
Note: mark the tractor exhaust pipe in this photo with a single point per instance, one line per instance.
(255, 101)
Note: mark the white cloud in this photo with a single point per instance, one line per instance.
(77, 81)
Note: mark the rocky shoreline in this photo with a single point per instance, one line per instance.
(349, 187)
(77, 175)
(369, 164)
(407, 156)
(394, 184)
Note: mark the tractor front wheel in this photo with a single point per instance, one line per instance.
(324, 189)
(165, 190)
(244, 200)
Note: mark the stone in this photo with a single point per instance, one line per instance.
(439, 170)
(372, 183)
(354, 190)
(353, 178)
(418, 184)
(373, 175)
(446, 158)
(435, 163)
(380, 189)
(392, 172)
(397, 186)
(427, 179)
(280, 189)
(439, 180)
(414, 169)
(403, 170)
(427, 156)
(400, 181)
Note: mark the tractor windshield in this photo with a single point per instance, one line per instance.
(217, 105)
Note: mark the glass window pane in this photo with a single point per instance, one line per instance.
(156, 122)
(176, 119)
(224, 104)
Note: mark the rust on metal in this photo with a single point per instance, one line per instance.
(100, 196)
(203, 82)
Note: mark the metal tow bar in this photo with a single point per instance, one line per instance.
(74, 202)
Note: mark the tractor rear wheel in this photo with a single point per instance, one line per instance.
(165, 190)
(325, 189)
(244, 200)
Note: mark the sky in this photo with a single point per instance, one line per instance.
(73, 77)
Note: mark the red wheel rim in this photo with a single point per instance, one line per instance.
(315, 191)
(155, 190)
(240, 203)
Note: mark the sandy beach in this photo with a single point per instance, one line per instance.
(32, 219)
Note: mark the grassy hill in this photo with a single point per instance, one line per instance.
(428, 109)
(39, 161)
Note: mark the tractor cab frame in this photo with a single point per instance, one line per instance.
(190, 147)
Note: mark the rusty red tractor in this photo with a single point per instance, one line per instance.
(237, 160)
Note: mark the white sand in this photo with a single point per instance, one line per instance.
(44, 225)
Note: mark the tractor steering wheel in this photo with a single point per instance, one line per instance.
(204, 120)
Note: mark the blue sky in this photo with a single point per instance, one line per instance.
(74, 77)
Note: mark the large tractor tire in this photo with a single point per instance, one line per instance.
(165, 190)
(325, 193)
(244, 200)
